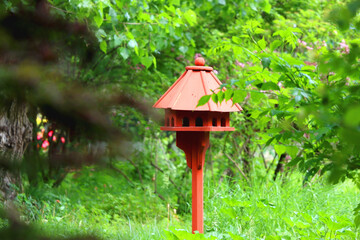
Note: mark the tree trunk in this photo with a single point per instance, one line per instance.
(15, 134)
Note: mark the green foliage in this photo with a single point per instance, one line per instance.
(293, 66)
(174, 234)
(203, 100)
(308, 88)
(95, 201)
(296, 73)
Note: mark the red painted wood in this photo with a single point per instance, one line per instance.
(199, 61)
(193, 124)
(199, 68)
(186, 92)
(198, 129)
(195, 144)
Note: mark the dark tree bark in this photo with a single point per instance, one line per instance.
(15, 134)
(280, 165)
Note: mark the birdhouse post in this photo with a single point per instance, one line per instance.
(192, 124)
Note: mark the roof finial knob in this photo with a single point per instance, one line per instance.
(199, 61)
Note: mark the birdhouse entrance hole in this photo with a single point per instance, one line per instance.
(214, 122)
(223, 122)
(185, 122)
(199, 122)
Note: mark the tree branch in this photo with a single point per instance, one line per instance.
(122, 173)
(172, 181)
(263, 157)
(237, 166)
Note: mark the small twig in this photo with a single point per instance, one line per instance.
(263, 157)
(125, 27)
(104, 55)
(159, 195)
(237, 166)
(126, 177)
(242, 147)
(172, 181)
(137, 168)
(122, 173)
(271, 164)
(298, 155)
(155, 166)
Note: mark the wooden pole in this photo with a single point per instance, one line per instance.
(195, 144)
(197, 195)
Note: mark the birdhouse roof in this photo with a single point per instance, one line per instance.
(194, 83)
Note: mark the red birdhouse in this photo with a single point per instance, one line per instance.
(193, 124)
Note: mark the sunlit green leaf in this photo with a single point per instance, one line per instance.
(190, 17)
(280, 149)
(265, 62)
(270, 86)
(146, 61)
(275, 44)
(238, 96)
(228, 94)
(221, 96)
(259, 31)
(103, 46)
(215, 98)
(262, 44)
(203, 100)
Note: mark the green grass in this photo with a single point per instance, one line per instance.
(287, 210)
(100, 203)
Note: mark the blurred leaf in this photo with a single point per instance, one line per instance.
(132, 43)
(280, 149)
(103, 46)
(190, 17)
(228, 94)
(259, 31)
(265, 62)
(230, 212)
(222, 2)
(235, 237)
(98, 20)
(236, 40)
(256, 96)
(124, 52)
(239, 96)
(146, 61)
(292, 151)
(262, 44)
(275, 44)
(215, 98)
(267, 6)
(270, 86)
(352, 116)
(113, 15)
(183, 49)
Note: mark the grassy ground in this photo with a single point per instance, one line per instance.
(100, 203)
